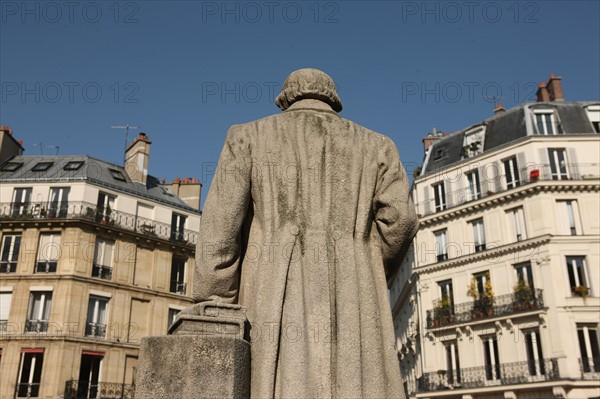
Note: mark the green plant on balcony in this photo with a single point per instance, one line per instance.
(442, 313)
(483, 302)
(581, 290)
(524, 296)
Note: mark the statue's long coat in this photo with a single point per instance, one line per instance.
(306, 213)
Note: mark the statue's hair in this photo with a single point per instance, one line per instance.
(308, 83)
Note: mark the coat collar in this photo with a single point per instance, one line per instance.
(310, 104)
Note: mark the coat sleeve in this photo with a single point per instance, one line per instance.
(219, 248)
(394, 211)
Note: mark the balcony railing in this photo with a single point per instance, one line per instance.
(490, 186)
(483, 308)
(490, 375)
(42, 266)
(95, 330)
(101, 271)
(25, 390)
(178, 287)
(8, 267)
(38, 326)
(590, 368)
(100, 215)
(98, 390)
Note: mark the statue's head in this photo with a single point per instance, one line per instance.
(308, 83)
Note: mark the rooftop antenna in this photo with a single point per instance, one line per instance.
(56, 147)
(126, 127)
(41, 145)
(492, 99)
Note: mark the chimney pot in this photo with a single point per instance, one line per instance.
(555, 91)
(499, 109)
(542, 93)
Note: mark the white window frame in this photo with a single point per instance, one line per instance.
(478, 234)
(452, 362)
(42, 316)
(511, 170)
(5, 302)
(533, 347)
(587, 346)
(23, 200)
(34, 368)
(474, 185)
(593, 113)
(574, 267)
(441, 245)
(518, 223)
(568, 217)
(491, 342)
(96, 324)
(439, 196)
(9, 252)
(47, 248)
(548, 128)
(557, 164)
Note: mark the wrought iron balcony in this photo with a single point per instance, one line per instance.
(100, 215)
(95, 330)
(178, 287)
(105, 390)
(25, 390)
(490, 375)
(590, 368)
(482, 308)
(8, 267)
(491, 186)
(42, 266)
(101, 271)
(38, 326)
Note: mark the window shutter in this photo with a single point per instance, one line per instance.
(573, 166)
(5, 300)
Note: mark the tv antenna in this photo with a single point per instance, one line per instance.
(41, 145)
(126, 127)
(56, 147)
(492, 99)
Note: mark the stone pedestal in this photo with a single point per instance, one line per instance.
(205, 355)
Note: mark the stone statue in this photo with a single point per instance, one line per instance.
(306, 216)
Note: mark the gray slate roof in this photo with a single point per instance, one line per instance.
(507, 127)
(94, 171)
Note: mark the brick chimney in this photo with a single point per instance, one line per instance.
(188, 189)
(542, 93)
(9, 146)
(555, 88)
(499, 109)
(431, 138)
(136, 159)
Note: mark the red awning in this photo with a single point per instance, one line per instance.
(92, 353)
(32, 350)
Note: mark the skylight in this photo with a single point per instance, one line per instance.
(42, 166)
(11, 166)
(117, 175)
(73, 165)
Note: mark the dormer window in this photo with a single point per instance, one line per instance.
(473, 142)
(546, 122)
(593, 113)
(439, 153)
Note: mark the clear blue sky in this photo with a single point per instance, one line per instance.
(187, 70)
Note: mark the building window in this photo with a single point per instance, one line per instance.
(452, 363)
(518, 222)
(491, 358)
(511, 173)
(178, 285)
(589, 347)
(593, 113)
(439, 193)
(103, 255)
(42, 166)
(104, 207)
(11, 166)
(21, 201)
(474, 185)
(473, 142)
(578, 276)
(441, 245)
(89, 374)
(10, 253)
(558, 164)
(96, 317)
(39, 311)
(48, 253)
(59, 202)
(524, 274)
(30, 373)
(5, 301)
(73, 165)
(535, 358)
(117, 175)
(478, 235)
(546, 124)
(568, 217)
(171, 317)
(177, 227)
